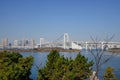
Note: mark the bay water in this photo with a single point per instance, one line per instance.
(40, 59)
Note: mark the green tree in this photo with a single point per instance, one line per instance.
(14, 67)
(48, 71)
(60, 68)
(82, 67)
(109, 75)
(79, 68)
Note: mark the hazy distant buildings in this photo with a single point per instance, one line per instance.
(27, 42)
(62, 42)
(5, 43)
(32, 43)
(24, 44)
(15, 42)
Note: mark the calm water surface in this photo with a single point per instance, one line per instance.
(40, 59)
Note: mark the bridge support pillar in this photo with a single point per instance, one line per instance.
(42, 41)
(66, 39)
(86, 46)
(102, 47)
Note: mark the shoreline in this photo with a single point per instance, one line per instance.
(114, 50)
(41, 50)
(49, 49)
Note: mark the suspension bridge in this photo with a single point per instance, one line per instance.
(61, 42)
(64, 42)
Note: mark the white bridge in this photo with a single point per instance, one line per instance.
(65, 42)
(62, 42)
(101, 45)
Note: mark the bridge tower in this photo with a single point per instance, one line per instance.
(66, 39)
(42, 41)
(86, 46)
(102, 45)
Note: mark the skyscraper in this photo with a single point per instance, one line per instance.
(32, 43)
(5, 43)
(15, 43)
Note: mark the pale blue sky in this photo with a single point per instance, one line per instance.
(51, 18)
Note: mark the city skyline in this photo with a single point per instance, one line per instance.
(25, 41)
(50, 19)
(62, 42)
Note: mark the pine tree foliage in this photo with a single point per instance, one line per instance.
(109, 75)
(14, 67)
(60, 68)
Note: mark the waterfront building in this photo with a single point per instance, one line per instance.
(15, 44)
(32, 44)
(25, 42)
(4, 43)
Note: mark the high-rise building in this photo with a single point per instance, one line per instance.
(15, 43)
(5, 43)
(25, 42)
(32, 43)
